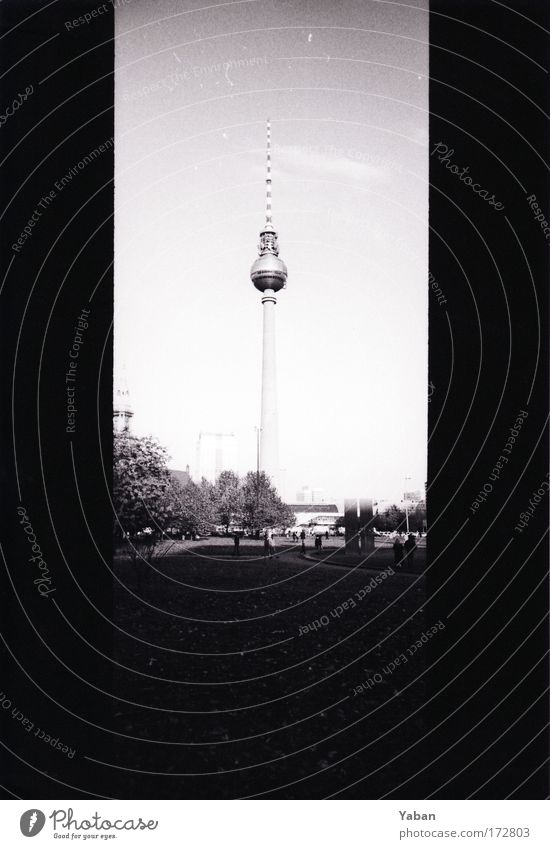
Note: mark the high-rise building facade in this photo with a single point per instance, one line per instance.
(311, 495)
(216, 452)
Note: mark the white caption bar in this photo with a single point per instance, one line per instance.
(271, 824)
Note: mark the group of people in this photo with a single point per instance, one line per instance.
(269, 545)
(404, 552)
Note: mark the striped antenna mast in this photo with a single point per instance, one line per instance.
(268, 219)
(268, 236)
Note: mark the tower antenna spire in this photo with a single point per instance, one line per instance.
(268, 218)
(268, 235)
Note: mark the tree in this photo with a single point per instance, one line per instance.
(393, 518)
(197, 506)
(175, 499)
(141, 485)
(229, 498)
(149, 502)
(144, 498)
(262, 506)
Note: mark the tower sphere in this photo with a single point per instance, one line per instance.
(268, 272)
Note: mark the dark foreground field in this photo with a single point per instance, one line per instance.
(241, 677)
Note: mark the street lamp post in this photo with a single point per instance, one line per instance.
(405, 499)
(258, 431)
(282, 483)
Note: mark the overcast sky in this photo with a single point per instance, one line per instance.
(346, 87)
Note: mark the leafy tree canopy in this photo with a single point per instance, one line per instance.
(141, 484)
(262, 505)
(146, 495)
(229, 499)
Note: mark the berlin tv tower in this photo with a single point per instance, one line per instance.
(269, 274)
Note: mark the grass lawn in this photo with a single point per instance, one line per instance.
(238, 675)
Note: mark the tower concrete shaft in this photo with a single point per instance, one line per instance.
(269, 436)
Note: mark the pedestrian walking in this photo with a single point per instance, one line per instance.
(271, 544)
(236, 543)
(397, 551)
(410, 548)
(303, 538)
(266, 544)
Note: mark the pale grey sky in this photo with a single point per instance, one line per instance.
(346, 87)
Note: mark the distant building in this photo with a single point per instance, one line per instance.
(413, 497)
(324, 515)
(182, 477)
(216, 452)
(122, 409)
(307, 495)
